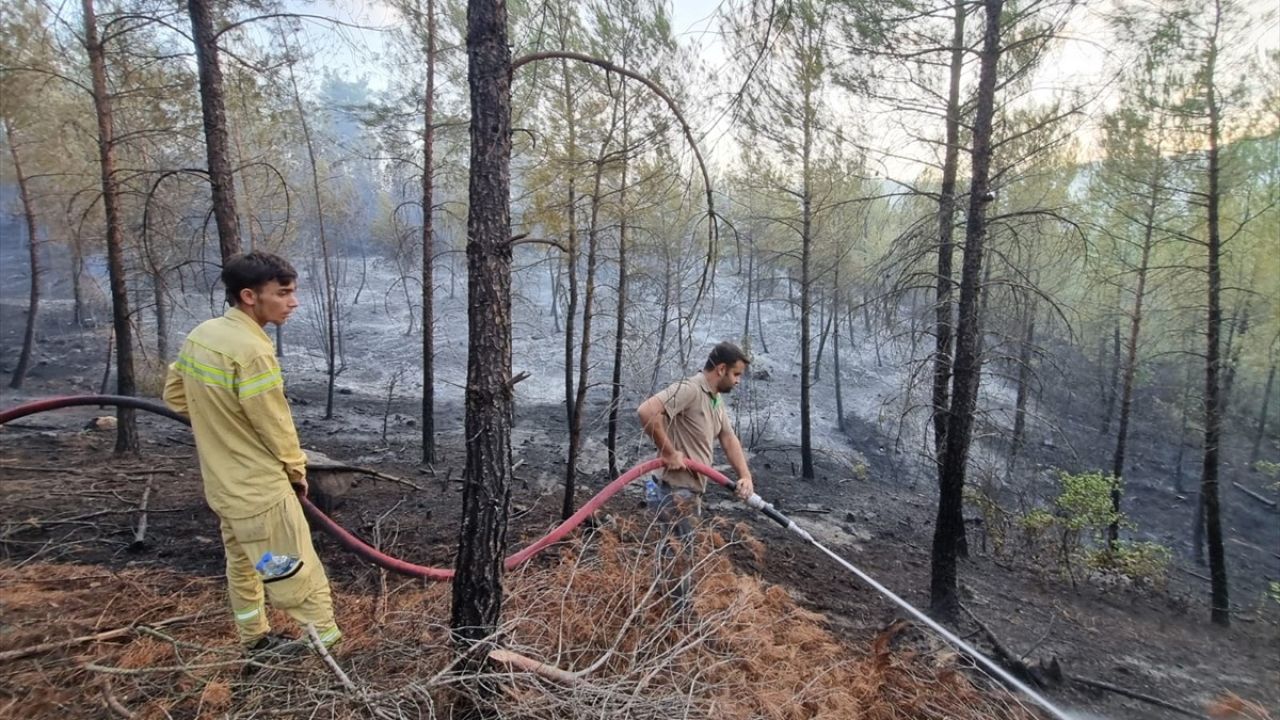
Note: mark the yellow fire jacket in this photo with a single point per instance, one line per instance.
(227, 380)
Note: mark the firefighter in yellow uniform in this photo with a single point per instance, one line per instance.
(227, 380)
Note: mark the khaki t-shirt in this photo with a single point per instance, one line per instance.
(695, 417)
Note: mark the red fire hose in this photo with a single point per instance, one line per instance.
(344, 536)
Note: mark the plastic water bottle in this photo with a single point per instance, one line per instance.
(652, 492)
(272, 567)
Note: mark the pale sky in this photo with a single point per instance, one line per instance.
(1083, 60)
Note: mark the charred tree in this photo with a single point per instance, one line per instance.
(213, 110)
(1220, 613)
(943, 311)
(1262, 416)
(33, 255)
(949, 528)
(584, 353)
(571, 256)
(1131, 353)
(1025, 352)
(127, 427)
(428, 246)
(1113, 385)
(486, 495)
(330, 303)
(806, 282)
(835, 348)
(620, 314)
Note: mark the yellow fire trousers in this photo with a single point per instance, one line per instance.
(281, 530)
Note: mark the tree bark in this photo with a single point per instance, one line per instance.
(33, 255)
(943, 311)
(1131, 356)
(824, 321)
(620, 315)
(835, 349)
(571, 256)
(764, 344)
(806, 258)
(428, 246)
(584, 353)
(486, 496)
(949, 528)
(126, 426)
(1262, 416)
(1220, 613)
(215, 128)
(1024, 378)
(1114, 384)
(326, 258)
(77, 273)
(158, 291)
(1235, 345)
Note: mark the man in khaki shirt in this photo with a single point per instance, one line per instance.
(227, 380)
(682, 421)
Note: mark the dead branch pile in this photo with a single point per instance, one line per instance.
(598, 614)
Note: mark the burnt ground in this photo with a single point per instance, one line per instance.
(67, 499)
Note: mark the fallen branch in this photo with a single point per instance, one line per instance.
(527, 664)
(41, 469)
(318, 645)
(1192, 573)
(1099, 685)
(96, 637)
(1265, 501)
(1006, 658)
(140, 534)
(112, 703)
(365, 471)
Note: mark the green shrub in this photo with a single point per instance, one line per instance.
(1145, 563)
(1085, 503)
(1074, 533)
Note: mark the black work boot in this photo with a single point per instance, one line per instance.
(270, 649)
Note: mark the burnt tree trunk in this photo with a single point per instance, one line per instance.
(486, 494)
(77, 276)
(943, 312)
(824, 321)
(1131, 360)
(662, 322)
(1024, 379)
(159, 294)
(1262, 416)
(1113, 385)
(215, 128)
(806, 281)
(746, 320)
(584, 353)
(571, 255)
(127, 427)
(949, 528)
(428, 246)
(33, 255)
(1220, 613)
(620, 315)
(1235, 345)
(764, 344)
(835, 349)
(326, 258)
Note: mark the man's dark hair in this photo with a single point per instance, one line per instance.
(252, 271)
(727, 353)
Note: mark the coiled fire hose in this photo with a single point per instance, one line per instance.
(373, 555)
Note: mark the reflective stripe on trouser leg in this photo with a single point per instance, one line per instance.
(244, 590)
